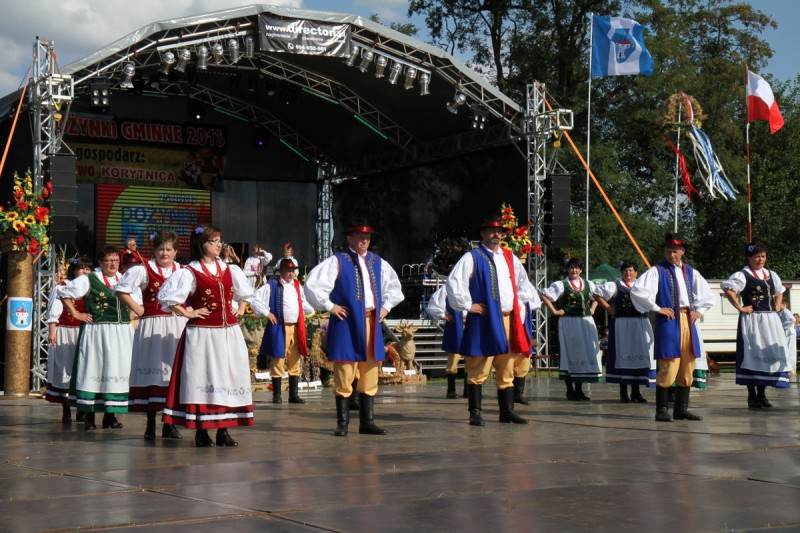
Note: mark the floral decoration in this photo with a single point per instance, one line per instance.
(25, 218)
(515, 237)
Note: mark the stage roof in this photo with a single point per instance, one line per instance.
(340, 117)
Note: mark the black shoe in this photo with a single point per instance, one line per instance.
(342, 416)
(110, 421)
(505, 398)
(636, 396)
(451, 387)
(150, 428)
(66, 415)
(474, 396)
(581, 397)
(762, 397)
(202, 440)
(294, 382)
(224, 438)
(354, 397)
(169, 431)
(366, 424)
(681, 409)
(753, 402)
(88, 422)
(623, 394)
(662, 405)
(277, 383)
(80, 416)
(519, 391)
(571, 396)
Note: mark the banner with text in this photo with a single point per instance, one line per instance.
(308, 37)
(139, 212)
(134, 152)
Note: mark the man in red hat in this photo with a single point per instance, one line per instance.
(679, 296)
(285, 335)
(491, 286)
(358, 289)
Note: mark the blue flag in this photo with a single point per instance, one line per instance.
(618, 48)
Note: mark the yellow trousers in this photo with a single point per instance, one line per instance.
(478, 367)
(366, 372)
(292, 355)
(680, 369)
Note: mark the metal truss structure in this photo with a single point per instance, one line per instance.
(50, 96)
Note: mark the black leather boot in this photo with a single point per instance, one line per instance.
(451, 387)
(505, 399)
(202, 440)
(579, 393)
(681, 410)
(570, 390)
(671, 391)
(752, 399)
(474, 396)
(762, 397)
(80, 416)
(342, 416)
(110, 421)
(293, 384)
(277, 383)
(66, 415)
(367, 425)
(662, 405)
(150, 428)
(88, 421)
(623, 394)
(519, 391)
(169, 431)
(224, 438)
(354, 405)
(464, 391)
(636, 395)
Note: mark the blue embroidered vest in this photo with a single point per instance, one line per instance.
(274, 342)
(453, 331)
(760, 293)
(347, 339)
(484, 335)
(667, 332)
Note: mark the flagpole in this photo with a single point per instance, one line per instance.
(588, 144)
(677, 166)
(747, 150)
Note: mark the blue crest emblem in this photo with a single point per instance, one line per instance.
(624, 45)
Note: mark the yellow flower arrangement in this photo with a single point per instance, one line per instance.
(516, 238)
(25, 218)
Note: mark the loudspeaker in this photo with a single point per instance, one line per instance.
(60, 171)
(557, 210)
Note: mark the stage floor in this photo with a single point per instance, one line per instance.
(596, 466)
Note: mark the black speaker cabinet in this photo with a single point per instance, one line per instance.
(60, 171)
(557, 210)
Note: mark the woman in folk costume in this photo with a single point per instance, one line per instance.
(629, 359)
(63, 338)
(760, 342)
(210, 383)
(156, 337)
(103, 356)
(571, 301)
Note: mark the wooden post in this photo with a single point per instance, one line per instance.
(18, 343)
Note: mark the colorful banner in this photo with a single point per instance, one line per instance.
(307, 37)
(133, 152)
(123, 212)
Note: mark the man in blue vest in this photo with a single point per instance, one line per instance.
(679, 296)
(358, 289)
(492, 287)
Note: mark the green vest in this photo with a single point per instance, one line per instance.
(102, 304)
(575, 303)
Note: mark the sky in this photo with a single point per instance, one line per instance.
(80, 27)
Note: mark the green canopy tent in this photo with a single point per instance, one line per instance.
(603, 273)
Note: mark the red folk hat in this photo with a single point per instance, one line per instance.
(358, 225)
(286, 264)
(673, 239)
(490, 222)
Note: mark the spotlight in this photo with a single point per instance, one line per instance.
(380, 65)
(233, 50)
(184, 56)
(167, 60)
(202, 58)
(353, 56)
(480, 117)
(196, 110)
(249, 47)
(394, 73)
(269, 88)
(99, 95)
(217, 53)
(424, 82)
(411, 74)
(128, 72)
(366, 59)
(457, 101)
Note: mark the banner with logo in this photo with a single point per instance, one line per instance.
(20, 314)
(136, 152)
(123, 212)
(308, 37)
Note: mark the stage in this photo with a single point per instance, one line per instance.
(596, 466)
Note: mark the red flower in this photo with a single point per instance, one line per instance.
(41, 213)
(19, 239)
(33, 248)
(537, 249)
(18, 196)
(22, 206)
(48, 187)
(2, 208)
(40, 198)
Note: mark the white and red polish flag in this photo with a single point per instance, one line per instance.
(761, 104)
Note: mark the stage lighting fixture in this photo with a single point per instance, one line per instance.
(128, 72)
(217, 53)
(394, 73)
(480, 117)
(380, 65)
(233, 50)
(424, 83)
(269, 88)
(249, 47)
(167, 60)
(458, 100)
(184, 56)
(99, 95)
(196, 110)
(366, 59)
(202, 58)
(411, 75)
(155, 81)
(353, 56)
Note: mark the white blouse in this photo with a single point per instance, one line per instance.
(182, 283)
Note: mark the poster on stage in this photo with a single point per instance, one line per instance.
(20, 314)
(307, 37)
(122, 151)
(129, 211)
